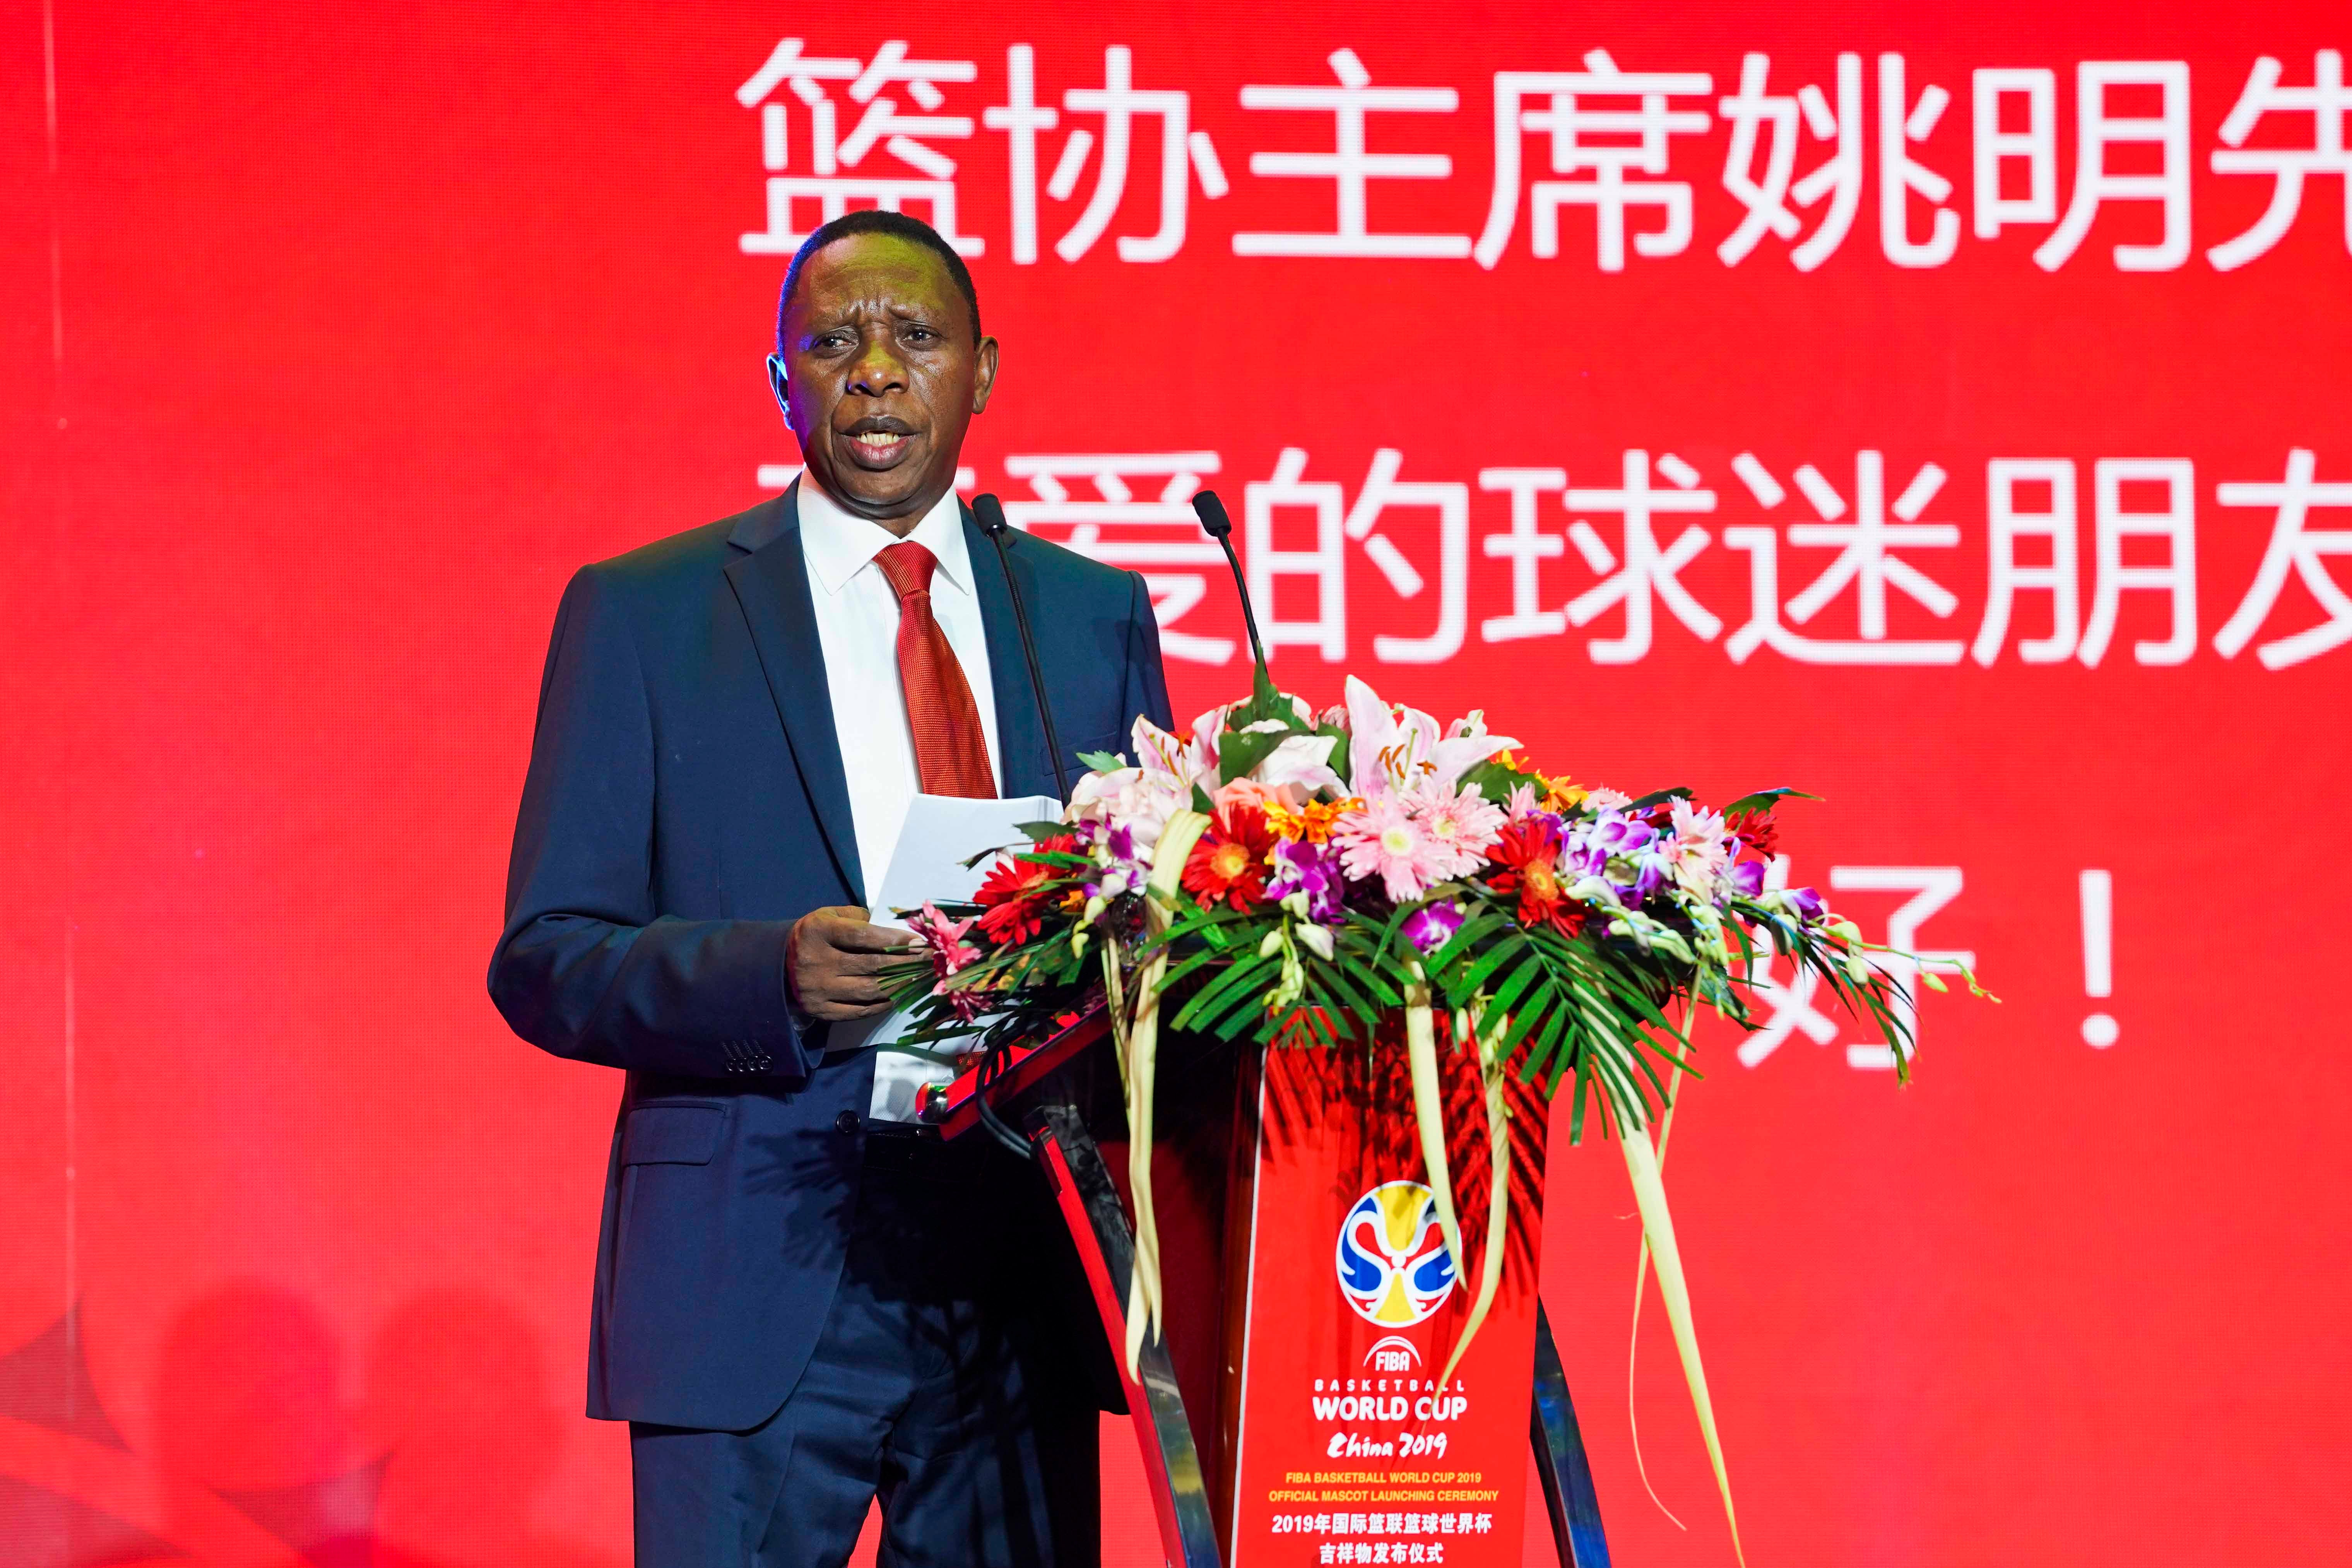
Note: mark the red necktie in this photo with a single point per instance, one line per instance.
(950, 747)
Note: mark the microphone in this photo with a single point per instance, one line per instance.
(990, 513)
(1218, 525)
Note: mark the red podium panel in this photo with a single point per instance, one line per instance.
(1347, 1449)
(1309, 1427)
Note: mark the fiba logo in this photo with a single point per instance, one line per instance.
(1393, 1264)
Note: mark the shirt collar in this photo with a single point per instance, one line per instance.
(839, 544)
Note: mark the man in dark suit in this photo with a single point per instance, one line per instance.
(800, 1305)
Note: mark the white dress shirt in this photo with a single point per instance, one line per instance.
(857, 627)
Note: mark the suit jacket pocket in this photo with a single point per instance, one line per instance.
(683, 1134)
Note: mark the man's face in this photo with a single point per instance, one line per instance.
(881, 374)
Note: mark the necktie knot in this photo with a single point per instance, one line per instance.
(909, 566)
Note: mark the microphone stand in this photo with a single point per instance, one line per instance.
(1219, 525)
(990, 512)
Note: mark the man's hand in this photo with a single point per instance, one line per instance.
(831, 958)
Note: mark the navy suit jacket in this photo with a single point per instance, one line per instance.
(686, 803)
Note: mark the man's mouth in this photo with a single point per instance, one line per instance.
(878, 443)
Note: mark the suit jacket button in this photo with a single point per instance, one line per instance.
(848, 1121)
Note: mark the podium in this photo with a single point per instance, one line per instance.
(1295, 1411)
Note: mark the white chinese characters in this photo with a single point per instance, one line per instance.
(835, 177)
(1123, 149)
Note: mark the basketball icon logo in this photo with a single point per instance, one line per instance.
(1394, 1266)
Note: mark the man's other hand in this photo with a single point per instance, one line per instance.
(832, 959)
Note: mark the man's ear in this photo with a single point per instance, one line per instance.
(984, 378)
(781, 384)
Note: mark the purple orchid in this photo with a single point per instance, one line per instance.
(1312, 869)
(1582, 858)
(1431, 926)
(1119, 869)
(1618, 836)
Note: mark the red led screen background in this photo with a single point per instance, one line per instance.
(337, 337)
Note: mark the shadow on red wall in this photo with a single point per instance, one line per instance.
(259, 1460)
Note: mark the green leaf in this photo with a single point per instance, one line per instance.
(1765, 799)
(1472, 931)
(1335, 977)
(1197, 961)
(1508, 991)
(1202, 803)
(1513, 948)
(1239, 751)
(1267, 700)
(1496, 781)
(1237, 999)
(1239, 983)
(1387, 942)
(1103, 762)
(1339, 760)
(1656, 797)
(1370, 973)
(1616, 1085)
(1037, 830)
(1556, 1022)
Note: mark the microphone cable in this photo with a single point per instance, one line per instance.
(990, 513)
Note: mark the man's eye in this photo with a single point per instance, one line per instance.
(921, 334)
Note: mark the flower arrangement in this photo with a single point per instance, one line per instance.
(1292, 877)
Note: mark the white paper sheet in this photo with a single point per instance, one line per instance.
(940, 832)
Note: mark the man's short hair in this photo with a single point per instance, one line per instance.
(869, 220)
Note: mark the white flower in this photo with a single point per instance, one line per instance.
(1467, 745)
(1186, 762)
(1697, 864)
(1695, 822)
(1138, 800)
(1301, 759)
(1396, 748)
(1596, 891)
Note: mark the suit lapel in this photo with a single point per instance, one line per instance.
(770, 583)
(1020, 734)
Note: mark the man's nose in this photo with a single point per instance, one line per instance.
(878, 369)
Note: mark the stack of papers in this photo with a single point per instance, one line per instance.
(940, 832)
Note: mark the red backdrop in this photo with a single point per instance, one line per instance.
(337, 337)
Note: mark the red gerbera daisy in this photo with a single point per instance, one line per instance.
(1757, 830)
(1528, 853)
(1015, 894)
(1230, 860)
